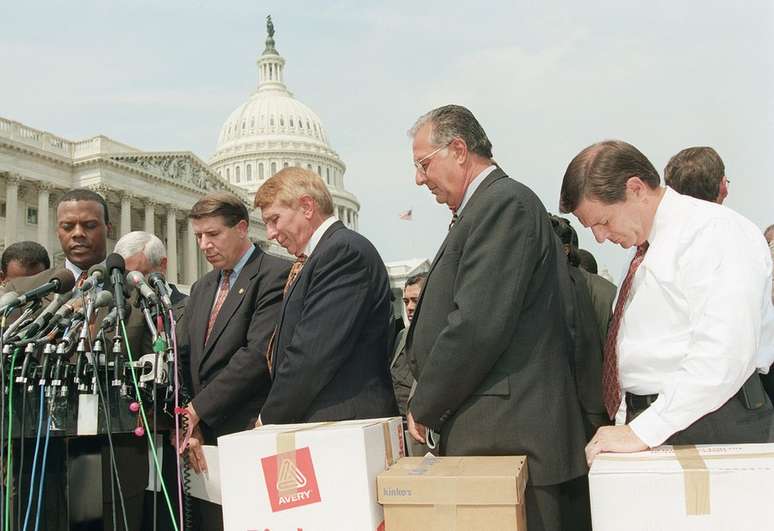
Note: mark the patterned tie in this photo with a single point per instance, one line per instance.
(219, 299)
(611, 386)
(81, 279)
(295, 270)
(454, 219)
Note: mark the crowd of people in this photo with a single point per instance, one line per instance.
(513, 344)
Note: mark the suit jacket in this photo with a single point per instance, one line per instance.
(331, 359)
(489, 343)
(228, 376)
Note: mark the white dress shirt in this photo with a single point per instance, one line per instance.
(474, 184)
(317, 236)
(692, 327)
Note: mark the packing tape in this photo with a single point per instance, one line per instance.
(696, 480)
(286, 440)
(389, 457)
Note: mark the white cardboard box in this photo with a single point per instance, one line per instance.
(319, 476)
(684, 488)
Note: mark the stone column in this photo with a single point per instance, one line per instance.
(44, 190)
(172, 244)
(150, 214)
(126, 213)
(191, 256)
(11, 208)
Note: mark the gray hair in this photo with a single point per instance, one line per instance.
(454, 121)
(140, 241)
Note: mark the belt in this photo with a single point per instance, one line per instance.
(636, 404)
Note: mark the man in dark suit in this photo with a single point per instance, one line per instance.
(489, 343)
(23, 259)
(225, 330)
(82, 227)
(330, 353)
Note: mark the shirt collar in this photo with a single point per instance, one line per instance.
(317, 235)
(474, 184)
(663, 220)
(75, 270)
(241, 264)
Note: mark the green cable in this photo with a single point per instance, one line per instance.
(9, 461)
(145, 422)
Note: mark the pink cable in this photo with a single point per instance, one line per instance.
(177, 420)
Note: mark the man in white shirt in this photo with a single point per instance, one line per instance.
(685, 333)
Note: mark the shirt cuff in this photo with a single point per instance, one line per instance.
(651, 428)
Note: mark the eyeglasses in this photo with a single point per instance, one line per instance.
(421, 168)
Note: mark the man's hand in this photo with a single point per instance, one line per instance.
(193, 416)
(415, 429)
(613, 439)
(196, 452)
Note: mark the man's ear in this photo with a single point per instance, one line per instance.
(163, 266)
(308, 206)
(635, 186)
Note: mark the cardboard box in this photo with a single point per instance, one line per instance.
(684, 487)
(460, 493)
(319, 476)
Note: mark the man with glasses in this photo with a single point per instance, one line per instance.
(489, 343)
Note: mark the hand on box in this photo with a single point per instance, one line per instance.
(613, 439)
(415, 429)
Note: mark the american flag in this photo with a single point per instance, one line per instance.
(406, 215)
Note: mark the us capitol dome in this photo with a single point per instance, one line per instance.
(273, 130)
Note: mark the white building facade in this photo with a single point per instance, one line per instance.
(154, 191)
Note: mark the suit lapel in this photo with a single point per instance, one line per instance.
(233, 299)
(496, 174)
(201, 316)
(338, 225)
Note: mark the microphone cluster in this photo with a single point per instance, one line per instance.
(64, 345)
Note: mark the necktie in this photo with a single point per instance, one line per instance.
(81, 279)
(295, 270)
(454, 219)
(611, 386)
(219, 299)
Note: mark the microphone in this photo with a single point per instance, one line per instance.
(61, 281)
(116, 267)
(111, 319)
(137, 281)
(156, 280)
(97, 273)
(47, 313)
(8, 298)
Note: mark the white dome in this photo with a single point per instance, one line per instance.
(271, 115)
(273, 130)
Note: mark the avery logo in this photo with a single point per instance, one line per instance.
(290, 479)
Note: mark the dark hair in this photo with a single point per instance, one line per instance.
(28, 254)
(696, 171)
(419, 278)
(587, 261)
(454, 121)
(567, 236)
(601, 171)
(224, 204)
(82, 194)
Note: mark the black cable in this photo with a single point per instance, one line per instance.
(108, 426)
(19, 481)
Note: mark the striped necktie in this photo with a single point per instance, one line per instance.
(611, 385)
(295, 270)
(225, 285)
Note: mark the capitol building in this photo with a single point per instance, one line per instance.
(154, 191)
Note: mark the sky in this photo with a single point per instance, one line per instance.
(545, 79)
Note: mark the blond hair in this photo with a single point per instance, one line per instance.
(290, 184)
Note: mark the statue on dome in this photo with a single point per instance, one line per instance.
(269, 26)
